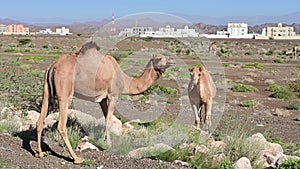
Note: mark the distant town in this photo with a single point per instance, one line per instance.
(234, 30)
(238, 30)
(20, 29)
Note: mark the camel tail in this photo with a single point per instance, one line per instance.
(49, 103)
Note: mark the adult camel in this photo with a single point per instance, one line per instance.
(201, 91)
(94, 76)
(296, 49)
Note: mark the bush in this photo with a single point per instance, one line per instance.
(290, 164)
(248, 103)
(243, 88)
(226, 164)
(253, 66)
(279, 60)
(273, 88)
(24, 41)
(294, 106)
(295, 85)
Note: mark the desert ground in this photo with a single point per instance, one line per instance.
(257, 63)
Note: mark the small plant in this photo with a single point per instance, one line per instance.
(290, 164)
(248, 103)
(226, 164)
(226, 65)
(279, 60)
(281, 91)
(24, 41)
(87, 163)
(294, 106)
(253, 66)
(295, 85)
(243, 88)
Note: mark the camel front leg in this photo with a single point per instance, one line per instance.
(197, 117)
(62, 128)
(207, 119)
(110, 111)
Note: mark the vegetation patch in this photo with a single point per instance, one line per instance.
(243, 88)
(248, 103)
(281, 91)
(279, 60)
(290, 164)
(294, 106)
(253, 66)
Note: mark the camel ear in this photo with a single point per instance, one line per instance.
(190, 69)
(200, 68)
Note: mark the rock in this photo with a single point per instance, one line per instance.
(182, 163)
(187, 146)
(280, 160)
(219, 157)
(242, 163)
(269, 81)
(219, 145)
(32, 117)
(281, 112)
(116, 126)
(86, 145)
(200, 149)
(51, 119)
(149, 151)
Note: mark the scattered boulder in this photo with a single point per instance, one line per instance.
(242, 163)
(85, 146)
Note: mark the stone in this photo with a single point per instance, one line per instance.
(280, 160)
(182, 163)
(86, 145)
(200, 149)
(219, 145)
(242, 163)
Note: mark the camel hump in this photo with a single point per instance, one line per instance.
(88, 46)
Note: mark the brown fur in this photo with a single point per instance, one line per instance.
(296, 49)
(100, 78)
(201, 91)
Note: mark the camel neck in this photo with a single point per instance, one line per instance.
(142, 83)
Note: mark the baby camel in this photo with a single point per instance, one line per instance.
(93, 76)
(201, 91)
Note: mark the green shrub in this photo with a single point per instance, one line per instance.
(24, 41)
(248, 103)
(290, 164)
(295, 85)
(243, 88)
(279, 60)
(273, 88)
(281, 92)
(253, 66)
(87, 163)
(226, 164)
(294, 106)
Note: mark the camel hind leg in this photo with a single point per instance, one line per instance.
(40, 122)
(62, 128)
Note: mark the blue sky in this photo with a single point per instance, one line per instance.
(86, 10)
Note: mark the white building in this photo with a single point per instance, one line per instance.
(238, 30)
(63, 31)
(135, 31)
(162, 32)
(278, 32)
(46, 31)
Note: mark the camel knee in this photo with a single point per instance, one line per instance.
(62, 130)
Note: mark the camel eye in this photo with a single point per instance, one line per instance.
(199, 74)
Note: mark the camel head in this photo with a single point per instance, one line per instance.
(161, 62)
(195, 73)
